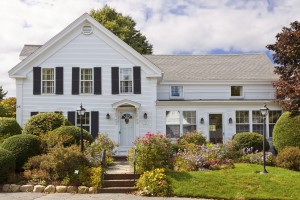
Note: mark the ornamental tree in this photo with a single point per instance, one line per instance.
(287, 56)
(123, 27)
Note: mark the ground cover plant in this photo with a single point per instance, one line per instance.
(242, 182)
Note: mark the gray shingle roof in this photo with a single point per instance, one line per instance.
(29, 49)
(192, 68)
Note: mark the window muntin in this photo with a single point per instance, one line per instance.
(189, 121)
(178, 122)
(125, 80)
(86, 81)
(48, 81)
(273, 117)
(242, 121)
(236, 91)
(176, 91)
(257, 122)
(85, 121)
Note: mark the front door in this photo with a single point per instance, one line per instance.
(126, 129)
(215, 128)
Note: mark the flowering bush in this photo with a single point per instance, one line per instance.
(190, 138)
(289, 158)
(256, 157)
(152, 151)
(154, 183)
(195, 157)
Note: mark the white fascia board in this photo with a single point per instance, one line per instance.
(217, 82)
(213, 102)
(17, 77)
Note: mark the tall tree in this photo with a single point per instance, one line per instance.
(287, 56)
(8, 107)
(2, 93)
(123, 27)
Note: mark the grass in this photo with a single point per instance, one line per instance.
(243, 182)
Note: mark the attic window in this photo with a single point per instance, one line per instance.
(87, 29)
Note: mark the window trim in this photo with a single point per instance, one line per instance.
(80, 80)
(236, 121)
(181, 96)
(241, 92)
(54, 81)
(120, 79)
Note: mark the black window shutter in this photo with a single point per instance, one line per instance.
(75, 80)
(137, 80)
(115, 80)
(97, 80)
(33, 113)
(36, 80)
(94, 123)
(71, 117)
(59, 79)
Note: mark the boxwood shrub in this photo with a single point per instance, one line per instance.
(22, 146)
(286, 131)
(8, 127)
(7, 164)
(44, 122)
(249, 139)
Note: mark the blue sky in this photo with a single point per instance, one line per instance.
(172, 26)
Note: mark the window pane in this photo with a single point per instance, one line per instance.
(173, 124)
(242, 128)
(242, 117)
(86, 74)
(48, 80)
(176, 91)
(257, 117)
(258, 128)
(126, 74)
(126, 86)
(236, 91)
(85, 121)
(273, 117)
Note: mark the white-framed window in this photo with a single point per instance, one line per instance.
(273, 117)
(237, 91)
(178, 122)
(86, 81)
(48, 81)
(126, 80)
(257, 122)
(85, 121)
(242, 121)
(176, 91)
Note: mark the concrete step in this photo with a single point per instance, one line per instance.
(119, 183)
(117, 190)
(121, 176)
(120, 158)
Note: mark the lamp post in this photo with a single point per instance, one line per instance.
(81, 112)
(264, 112)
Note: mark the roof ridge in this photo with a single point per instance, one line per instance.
(258, 53)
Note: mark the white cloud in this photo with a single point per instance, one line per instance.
(196, 26)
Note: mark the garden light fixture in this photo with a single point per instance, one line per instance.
(80, 112)
(264, 112)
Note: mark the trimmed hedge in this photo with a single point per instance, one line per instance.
(8, 127)
(44, 122)
(74, 134)
(22, 146)
(286, 131)
(249, 139)
(7, 164)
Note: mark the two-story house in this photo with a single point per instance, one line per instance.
(127, 94)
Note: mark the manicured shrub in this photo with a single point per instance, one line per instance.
(7, 164)
(196, 157)
(22, 146)
(8, 127)
(190, 138)
(94, 151)
(59, 162)
(289, 158)
(44, 122)
(154, 183)
(286, 131)
(66, 135)
(248, 140)
(152, 151)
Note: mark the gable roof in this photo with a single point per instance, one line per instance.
(125, 48)
(29, 49)
(193, 68)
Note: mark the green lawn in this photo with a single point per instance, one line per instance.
(243, 182)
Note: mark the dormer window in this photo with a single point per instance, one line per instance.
(176, 91)
(237, 91)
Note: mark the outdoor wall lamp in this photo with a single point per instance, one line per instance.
(80, 112)
(264, 112)
(230, 120)
(201, 120)
(145, 116)
(107, 116)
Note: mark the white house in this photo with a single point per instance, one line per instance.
(127, 94)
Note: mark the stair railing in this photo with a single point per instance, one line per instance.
(103, 164)
(134, 163)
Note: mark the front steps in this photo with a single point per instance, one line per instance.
(119, 178)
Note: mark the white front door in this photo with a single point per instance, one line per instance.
(126, 129)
